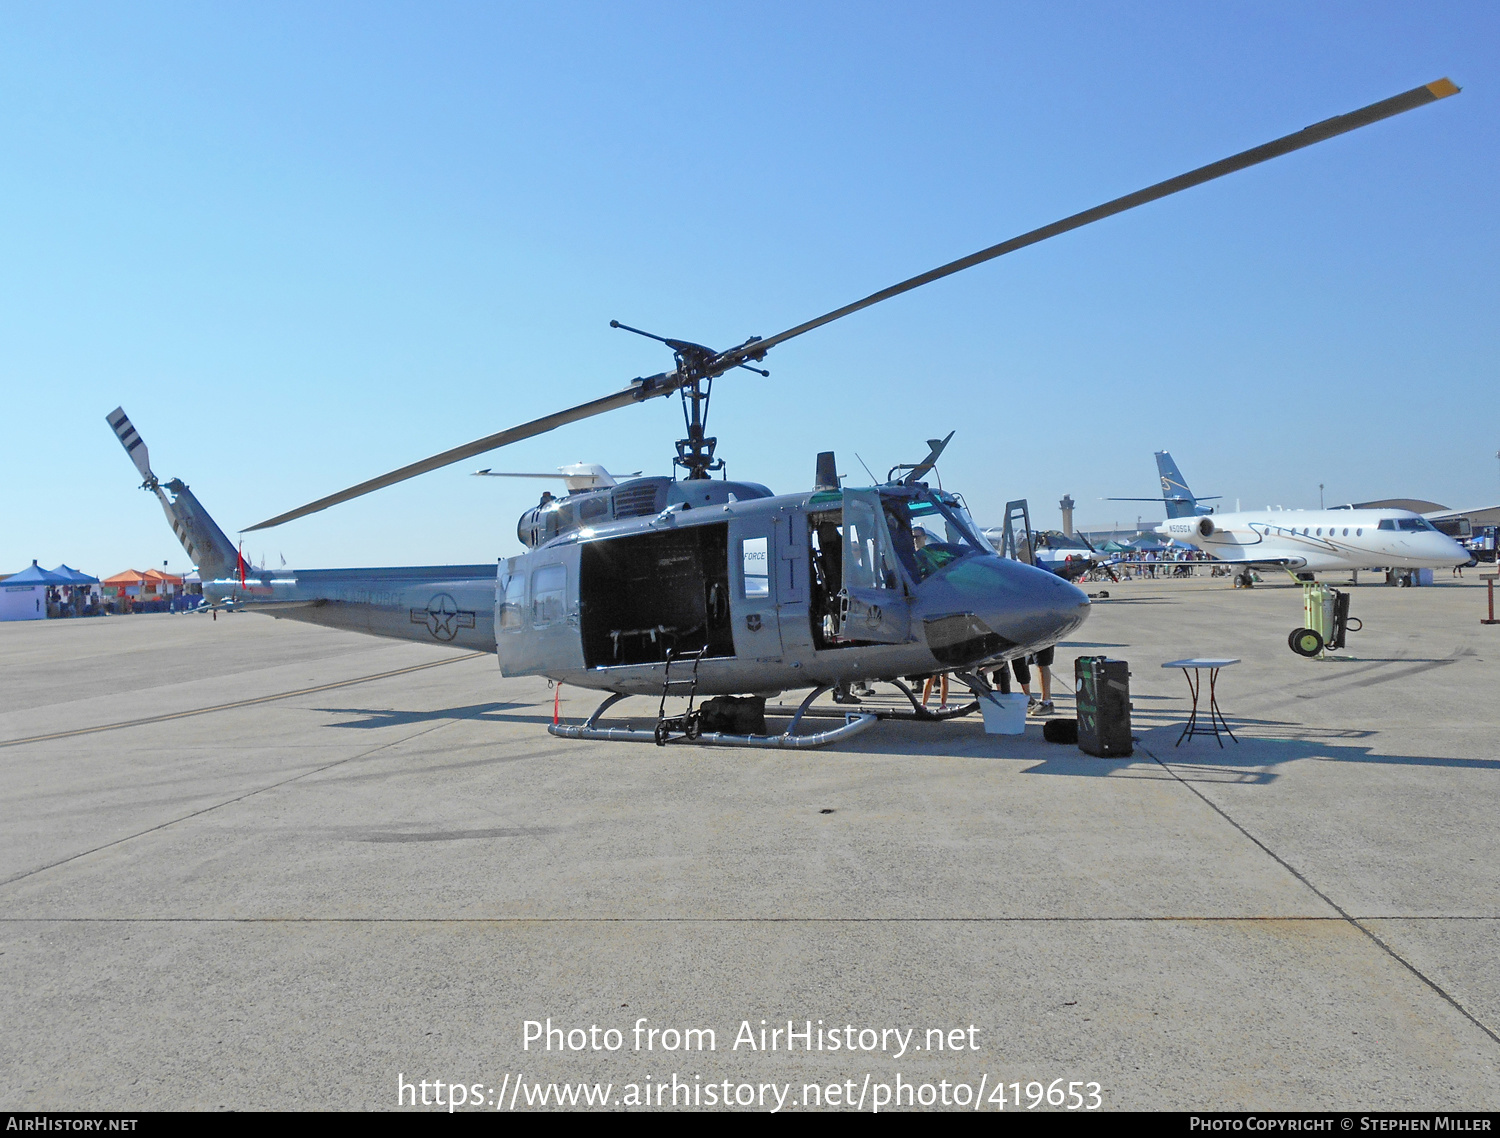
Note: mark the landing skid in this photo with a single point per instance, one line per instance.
(855, 723)
(918, 713)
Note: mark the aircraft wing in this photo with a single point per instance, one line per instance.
(1274, 562)
(1282, 562)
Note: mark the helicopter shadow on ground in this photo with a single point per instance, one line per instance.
(1257, 759)
(374, 717)
(1264, 747)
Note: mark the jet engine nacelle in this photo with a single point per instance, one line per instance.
(1186, 529)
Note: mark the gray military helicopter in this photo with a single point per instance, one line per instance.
(696, 586)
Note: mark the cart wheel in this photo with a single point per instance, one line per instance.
(661, 734)
(1306, 641)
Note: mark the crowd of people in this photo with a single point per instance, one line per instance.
(72, 600)
(1156, 563)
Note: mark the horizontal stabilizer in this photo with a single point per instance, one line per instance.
(1205, 498)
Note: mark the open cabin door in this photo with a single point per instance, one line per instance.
(875, 607)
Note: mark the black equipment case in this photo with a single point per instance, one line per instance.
(1103, 697)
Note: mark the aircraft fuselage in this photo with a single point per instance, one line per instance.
(781, 593)
(1319, 540)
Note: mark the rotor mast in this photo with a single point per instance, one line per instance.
(695, 453)
(693, 377)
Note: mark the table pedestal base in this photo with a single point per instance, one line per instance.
(1215, 716)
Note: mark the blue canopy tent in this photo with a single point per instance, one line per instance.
(74, 577)
(24, 595)
(34, 574)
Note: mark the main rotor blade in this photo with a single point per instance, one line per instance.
(1318, 132)
(468, 450)
(756, 349)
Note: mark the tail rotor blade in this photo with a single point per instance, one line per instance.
(134, 445)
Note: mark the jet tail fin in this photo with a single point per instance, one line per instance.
(1174, 488)
(205, 543)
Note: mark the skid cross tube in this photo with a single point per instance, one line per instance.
(855, 723)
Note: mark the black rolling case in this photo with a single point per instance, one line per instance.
(1103, 695)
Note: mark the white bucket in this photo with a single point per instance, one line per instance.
(1004, 713)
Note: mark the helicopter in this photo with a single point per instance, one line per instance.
(696, 586)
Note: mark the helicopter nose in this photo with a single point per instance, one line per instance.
(987, 605)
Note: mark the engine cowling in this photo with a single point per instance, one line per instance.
(1205, 527)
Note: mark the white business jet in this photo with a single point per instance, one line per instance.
(1304, 541)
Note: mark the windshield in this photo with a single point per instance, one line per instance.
(930, 531)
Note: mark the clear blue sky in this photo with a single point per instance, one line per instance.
(304, 244)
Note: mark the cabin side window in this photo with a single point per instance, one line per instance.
(514, 604)
(549, 595)
(757, 568)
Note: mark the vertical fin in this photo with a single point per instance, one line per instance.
(1174, 488)
(200, 535)
(206, 544)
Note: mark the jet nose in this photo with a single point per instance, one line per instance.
(1454, 552)
(987, 605)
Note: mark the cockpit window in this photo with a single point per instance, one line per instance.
(1408, 525)
(930, 530)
